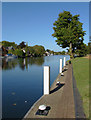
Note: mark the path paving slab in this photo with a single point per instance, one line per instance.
(60, 99)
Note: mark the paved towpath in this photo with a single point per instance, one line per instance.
(60, 99)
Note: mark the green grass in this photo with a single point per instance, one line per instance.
(81, 73)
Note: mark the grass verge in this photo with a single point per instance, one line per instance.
(81, 74)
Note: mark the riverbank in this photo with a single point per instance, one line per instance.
(81, 74)
(60, 99)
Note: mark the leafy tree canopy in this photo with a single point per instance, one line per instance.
(89, 47)
(22, 44)
(68, 30)
(82, 51)
(8, 44)
(39, 50)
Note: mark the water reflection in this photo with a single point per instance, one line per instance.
(22, 62)
(22, 80)
(9, 64)
(38, 61)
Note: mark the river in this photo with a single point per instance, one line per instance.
(22, 82)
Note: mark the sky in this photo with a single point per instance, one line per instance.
(32, 22)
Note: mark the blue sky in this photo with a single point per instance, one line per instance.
(32, 22)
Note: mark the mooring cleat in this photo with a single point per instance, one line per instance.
(58, 83)
(62, 74)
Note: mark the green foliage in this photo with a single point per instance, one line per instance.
(11, 51)
(57, 53)
(31, 50)
(63, 52)
(27, 51)
(18, 52)
(22, 45)
(68, 29)
(48, 50)
(34, 51)
(38, 50)
(89, 48)
(8, 44)
(82, 50)
(52, 52)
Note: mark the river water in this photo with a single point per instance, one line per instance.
(22, 82)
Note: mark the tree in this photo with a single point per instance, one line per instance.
(48, 50)
(31, 50)
(89, 47)
(22, 44)
(39, 50)
(18, 52)
(68, 31)
(63, 52)
(8, 44)
(82, 51)
(11, 51)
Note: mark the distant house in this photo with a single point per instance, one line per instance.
(24, 51)
(4, 50)
(47, 53)
(11, 48)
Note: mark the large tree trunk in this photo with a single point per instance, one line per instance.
(70, 50)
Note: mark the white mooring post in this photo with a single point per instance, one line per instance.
(46, 80)
(60, 71)
(64, 61)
